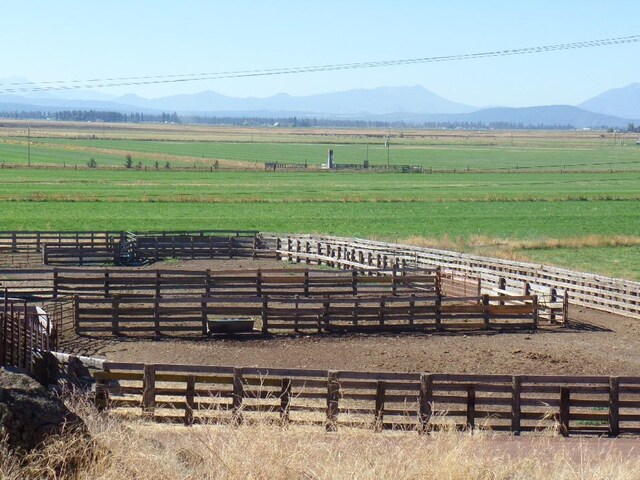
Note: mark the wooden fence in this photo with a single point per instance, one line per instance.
(413, 312)
(87, 282)
(90, 248)
(23, 333)
(608, 294)
(422, 402)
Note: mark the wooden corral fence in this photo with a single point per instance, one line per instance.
(119, 247)
(24, 332)
(127, 315)
(594, 291)
(553, 303)
(306, 282)
(422, 402)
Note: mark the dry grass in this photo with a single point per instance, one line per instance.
(138, 450)
(510, 249)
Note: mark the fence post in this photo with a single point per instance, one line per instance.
(412, 308)
(265, 315)
(354, 282)
(516, 410)
(614, 406)
(189, 400)
(438, 312)
(55, 283)
(553, 293)
(156, 316)
(76, 314)
(285, 400)
(306, 282)
(426, 402)
(565, 307)
(149, 389)
(259, 283)
(101, 399)
(326, 305)
(471, 407)
(565, 402)
(381, 389)
(333, 396)
(381, 311)
(106, 284)
(485, 310)
(238, 395)
(278, 248)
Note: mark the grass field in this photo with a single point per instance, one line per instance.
(587, 218)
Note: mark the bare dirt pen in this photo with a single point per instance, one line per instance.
(594, 343)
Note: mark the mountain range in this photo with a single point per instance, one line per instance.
(613, 108)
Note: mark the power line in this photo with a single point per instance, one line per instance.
(23, 87)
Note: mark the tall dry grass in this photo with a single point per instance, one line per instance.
(139, 450)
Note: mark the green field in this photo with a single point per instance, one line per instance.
(586, 219)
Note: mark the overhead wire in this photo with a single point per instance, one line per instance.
(25, 87)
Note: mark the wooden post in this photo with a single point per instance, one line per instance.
(101, 399)
(516, 410)
(156, 316)
(614, 406)
(412, 309)
(381, 311)
(502, 285)
(306, 282)
(158, 283)
(238, 395)
(381, 389)
(149, 389)
(536, 312)
(485, 310)
(55, 283)
(565, 402)
(333, 396)
(189, 400)
(394, 286)
(426, 402)
(230, 247)
(326, 305)
(565, 307)
(354, 282)
(285, 400)
(106, 284)
(307, 251)
(296, 313)
(259, 283)
(265, 315)
(76, 314)
(471, 407)
(278, 248)
(438, 312)
(553, 298)
(527, 288)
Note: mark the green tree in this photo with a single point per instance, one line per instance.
(128, 162)
(92, 163)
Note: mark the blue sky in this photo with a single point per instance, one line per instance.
(63, 40)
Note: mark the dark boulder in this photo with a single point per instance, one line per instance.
(29, 413)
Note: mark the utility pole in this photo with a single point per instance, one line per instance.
(29, 145)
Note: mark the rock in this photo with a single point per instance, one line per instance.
(29, 413)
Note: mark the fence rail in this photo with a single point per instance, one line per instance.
(422, 402)
(305, 282)
(602, 293)
(156, 316)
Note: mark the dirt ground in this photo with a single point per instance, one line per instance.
(593, 343)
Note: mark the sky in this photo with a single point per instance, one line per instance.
(75, 40)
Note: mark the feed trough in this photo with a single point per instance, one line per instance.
(231, 325)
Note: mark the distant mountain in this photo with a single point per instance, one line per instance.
(620, 102)
(549, 116)
(374, 101)
(409, 103)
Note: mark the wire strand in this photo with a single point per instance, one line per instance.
(24, 87)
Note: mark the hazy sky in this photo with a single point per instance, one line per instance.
(64, 40)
